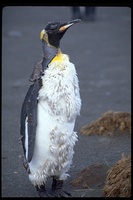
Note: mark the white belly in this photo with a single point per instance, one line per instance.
(54, 144)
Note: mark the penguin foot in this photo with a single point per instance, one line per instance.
(57, 190)
(60, 193)
(42, 191)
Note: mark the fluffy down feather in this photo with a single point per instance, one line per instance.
(58, 105)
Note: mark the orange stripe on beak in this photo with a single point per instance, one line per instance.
(63, 28)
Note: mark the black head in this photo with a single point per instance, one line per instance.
(54, 31)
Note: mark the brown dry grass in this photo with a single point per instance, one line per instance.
(118, 182)
(108, 123)
(92, 176)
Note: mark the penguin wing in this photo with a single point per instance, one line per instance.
(28, 121)
(37, 72)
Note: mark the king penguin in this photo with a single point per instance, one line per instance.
(48, 114)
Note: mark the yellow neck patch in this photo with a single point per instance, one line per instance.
(60, 60)
(58, 57)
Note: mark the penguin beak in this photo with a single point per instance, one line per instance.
(66, 25)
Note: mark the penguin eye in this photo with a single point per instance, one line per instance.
(53, 26)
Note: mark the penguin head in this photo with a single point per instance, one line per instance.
(54, 31)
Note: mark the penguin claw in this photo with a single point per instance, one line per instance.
(42, 191)
(43, 194)
(57, 189)
(60, 193)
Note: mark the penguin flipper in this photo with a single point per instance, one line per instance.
(37, 72)
(24, 115)
(29, 118)
(29, 107)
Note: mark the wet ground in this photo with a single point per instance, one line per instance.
(101, 52)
